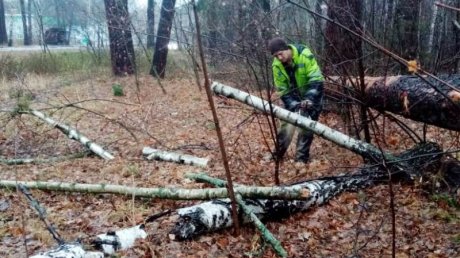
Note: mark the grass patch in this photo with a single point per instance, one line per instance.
(446, 200)
(58, 63)
(117, 90)
(51, 64)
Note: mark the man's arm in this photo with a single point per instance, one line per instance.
(290, 100)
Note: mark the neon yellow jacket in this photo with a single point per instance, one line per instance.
(307, 71)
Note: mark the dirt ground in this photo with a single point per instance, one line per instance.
(351, 225)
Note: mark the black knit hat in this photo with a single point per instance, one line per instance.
(277, 44)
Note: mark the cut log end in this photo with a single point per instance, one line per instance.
(454, 96)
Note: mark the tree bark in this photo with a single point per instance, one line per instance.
(163, 36)
(3, 33)
(407, 29)
(266, 234)
(121, 42)
(71, 250)
(120, 240)
(215, 215)
(366, 150)
(41, 161)
(154, 154)
(151, 24)
(292, 192)
(24, 23)
(29, 20)
(413, 98)
(74, 134)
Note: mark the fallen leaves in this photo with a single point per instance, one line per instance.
(352, 223)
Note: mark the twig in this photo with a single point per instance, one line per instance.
(41, 213)
(447, 6)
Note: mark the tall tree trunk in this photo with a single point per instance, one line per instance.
(212, 23)
(121, 42)
(344, 49)
(29, 21)
(24, 23)
(58, 14)
(151, 23)
(163, 36)
(407, 28)
(3, 33)
(432, 27)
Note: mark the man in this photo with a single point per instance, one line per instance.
(299, 82)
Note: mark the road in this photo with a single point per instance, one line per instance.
(37, 48)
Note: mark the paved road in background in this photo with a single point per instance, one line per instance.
(40, 48)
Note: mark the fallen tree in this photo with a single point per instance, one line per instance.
(366, 150)
(433, 103)
(72, 134)
(292, 192)
(215, 215)
(41, 161)
(248, 212)
(155, 154)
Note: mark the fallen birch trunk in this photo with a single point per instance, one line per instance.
(413, 98)
(215, 215)
(155, 154)
(122, 239)
(73, 250)
(41, 161)
(292, 192)
(73, 134)
(64, 250)
(364, 149)
(266, 234)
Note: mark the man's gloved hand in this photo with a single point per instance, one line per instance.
(305, 104)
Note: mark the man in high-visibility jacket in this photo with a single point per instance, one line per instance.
(299, 82)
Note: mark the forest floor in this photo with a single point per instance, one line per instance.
(350, 225)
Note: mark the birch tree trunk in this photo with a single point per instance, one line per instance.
(154, 154)
(364, 149)
(291, 192)
(74, 134)
(72, 250)
(215, 215)
(432, 26)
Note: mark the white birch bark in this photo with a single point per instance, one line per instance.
(73, 134)
(68, 251)
(432, 25)
(155, 154)
(40, 161)
(215, 215)
(290, 192)
(122, 239)
(341, 139)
